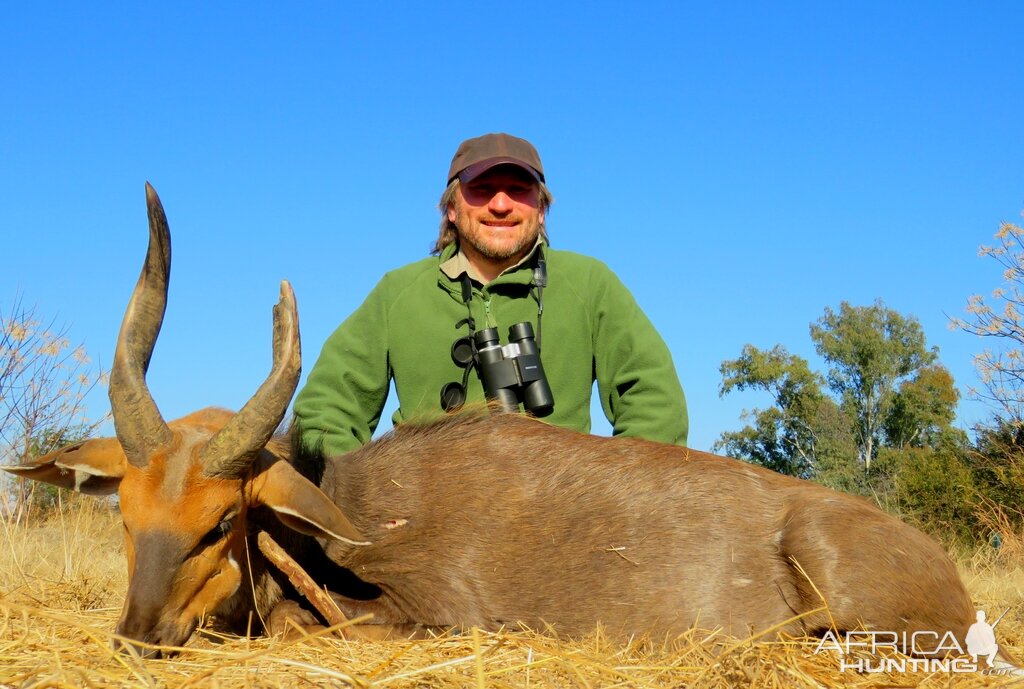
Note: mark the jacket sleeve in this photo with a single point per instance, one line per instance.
(340, 405)
(636, 379)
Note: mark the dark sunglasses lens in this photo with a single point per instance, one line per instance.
(462, 351)
(453, 396)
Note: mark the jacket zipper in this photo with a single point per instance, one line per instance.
(488, 316)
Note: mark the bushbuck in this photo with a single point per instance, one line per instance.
(479, 519)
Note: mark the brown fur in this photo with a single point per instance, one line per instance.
(500, 520)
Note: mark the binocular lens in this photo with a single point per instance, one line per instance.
(453, 396)
(462, 351)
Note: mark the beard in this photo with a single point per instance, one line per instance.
(498, 245)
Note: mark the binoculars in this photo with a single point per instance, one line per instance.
(511, 374)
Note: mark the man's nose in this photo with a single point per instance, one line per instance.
(500, 203)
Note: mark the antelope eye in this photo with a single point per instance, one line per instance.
(218, 532)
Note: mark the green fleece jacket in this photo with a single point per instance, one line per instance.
(592, 329)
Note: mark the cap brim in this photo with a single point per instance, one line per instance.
(476, 169)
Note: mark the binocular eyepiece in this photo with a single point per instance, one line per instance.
(511, 374)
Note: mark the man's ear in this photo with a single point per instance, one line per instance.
(94, 467)
(452, 213)
(299, 504)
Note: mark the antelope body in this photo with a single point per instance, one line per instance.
(498, 520)
(480, 519)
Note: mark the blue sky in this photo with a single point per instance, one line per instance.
(740, 166)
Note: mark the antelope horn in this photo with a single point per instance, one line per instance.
(230, 452)
(140, 428)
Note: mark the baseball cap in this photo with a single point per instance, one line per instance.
(476, 156)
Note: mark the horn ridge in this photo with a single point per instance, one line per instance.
(231, 451)
(137, 420)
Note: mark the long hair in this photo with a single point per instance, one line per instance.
(449, 232)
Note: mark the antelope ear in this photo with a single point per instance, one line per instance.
(94, 467)
(299, 504)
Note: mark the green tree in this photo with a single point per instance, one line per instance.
(998, 467)
(923, 409)
(803, 433)
(870, 351)
(935, 486)
(883, 389)
(781, 437)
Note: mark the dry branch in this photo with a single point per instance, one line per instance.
(302, 582)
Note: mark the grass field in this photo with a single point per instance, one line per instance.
(63, 578)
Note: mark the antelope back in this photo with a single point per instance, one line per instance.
(498, 520)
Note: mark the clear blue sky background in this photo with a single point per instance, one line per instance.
(741, 166)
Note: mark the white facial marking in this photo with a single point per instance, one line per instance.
(238, 579)
(178, 464)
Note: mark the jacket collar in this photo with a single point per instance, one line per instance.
(453, 263)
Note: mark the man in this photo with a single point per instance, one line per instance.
(492, 269)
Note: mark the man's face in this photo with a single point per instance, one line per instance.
(498, 213)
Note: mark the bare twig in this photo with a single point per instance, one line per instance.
(300, 580)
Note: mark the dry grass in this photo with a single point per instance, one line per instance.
(62, 582)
